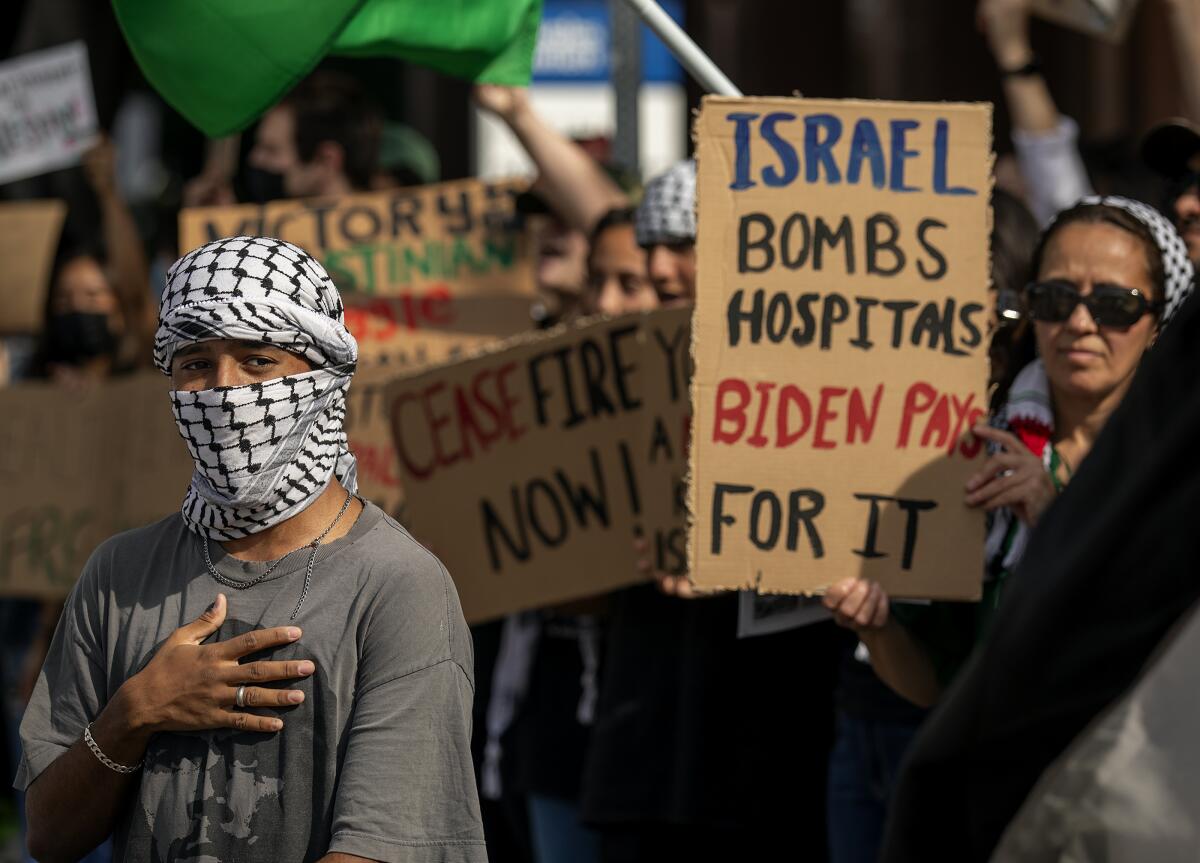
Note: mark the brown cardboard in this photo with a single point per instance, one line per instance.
(785, 472)
(529, 482)
(29, 232)
(1108, 19)
(78, 468)
(422, 270)
(369, 433)
(665, 438)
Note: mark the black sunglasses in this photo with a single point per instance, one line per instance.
(1109, 305)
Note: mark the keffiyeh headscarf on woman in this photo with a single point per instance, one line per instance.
(1028, 411)
(667, 213)
(264, 451)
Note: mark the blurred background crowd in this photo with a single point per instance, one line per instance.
(1074, 114)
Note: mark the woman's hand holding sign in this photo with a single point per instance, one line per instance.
(1013, 477)
(858, 604)
(862, 605)
(678, 586)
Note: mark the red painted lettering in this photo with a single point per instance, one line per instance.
(758, 439)
(917, 400)
(826, 413)
(734, 414)
(792, 395)
(859, 422)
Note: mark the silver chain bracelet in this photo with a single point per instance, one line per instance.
(104, 759)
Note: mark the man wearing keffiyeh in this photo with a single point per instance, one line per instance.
(278, 671)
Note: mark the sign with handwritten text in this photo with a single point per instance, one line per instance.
(840, 342)
(47, 112)
(425, 272)
(78, 468)
(531, 469)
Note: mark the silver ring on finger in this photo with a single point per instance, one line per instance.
(239, 697)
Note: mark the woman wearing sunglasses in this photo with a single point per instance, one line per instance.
(1110, 273)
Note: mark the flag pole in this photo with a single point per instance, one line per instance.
(686, 51)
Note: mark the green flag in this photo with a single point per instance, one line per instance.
(222, 63)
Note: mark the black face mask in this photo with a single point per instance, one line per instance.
(263, 186)
(75, 337)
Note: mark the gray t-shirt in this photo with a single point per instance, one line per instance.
(376, 761)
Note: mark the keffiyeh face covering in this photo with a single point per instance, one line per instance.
(264, 451)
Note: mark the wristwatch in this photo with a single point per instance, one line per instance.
(1033, 67)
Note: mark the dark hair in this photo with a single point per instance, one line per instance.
(1014, 241)
(1104, 214)
(1014, 238)
(614, 218)
(330, 106)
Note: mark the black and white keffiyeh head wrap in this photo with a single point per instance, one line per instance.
(263, 451)
(1180, 275)
(667, 213)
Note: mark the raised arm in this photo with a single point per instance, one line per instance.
(213, 186)
(1045, 140)
(1185, 33)
(574, 185)
(126, 257)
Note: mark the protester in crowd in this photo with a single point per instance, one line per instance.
(568, 197)
(1045, 141)
(321, 139)
(1106, 579)
(1110, 274)
(349, 740)
(1172, 150)
(98, 318)
(617, 280)
(666, 229)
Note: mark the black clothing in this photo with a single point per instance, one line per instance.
(1110, 568)
(697, 729)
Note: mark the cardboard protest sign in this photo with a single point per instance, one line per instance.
(424, 271)
(667, 343)
(1108, 19)
(369, 433)
(840, 344)
(29, 232)
(77, 468)
(530, 469)
(47, 111)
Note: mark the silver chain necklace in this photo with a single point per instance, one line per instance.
(312, 559)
